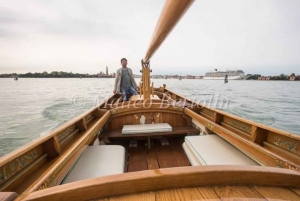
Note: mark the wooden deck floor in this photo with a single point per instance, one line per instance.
(215, 193)
(159, 156)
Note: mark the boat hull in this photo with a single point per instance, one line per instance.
(238, 77)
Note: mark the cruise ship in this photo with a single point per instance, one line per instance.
(220, 75)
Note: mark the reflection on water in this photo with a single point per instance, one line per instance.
(32, 107)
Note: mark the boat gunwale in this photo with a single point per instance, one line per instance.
(275, 130)
(159, 179)
(36, 142)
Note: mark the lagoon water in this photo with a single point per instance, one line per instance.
(31, 107)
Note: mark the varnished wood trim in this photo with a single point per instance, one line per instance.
(239, 125)
(99, 112)
(16, 165)
(22, 150)
(259, 135)
(90, 120)
(206, 116)
(218, 118)
(208, 112)
(66, 132)
(241, 133)
(67, 139)
(143, 108)
(282, 152)
(51, 147)
(254, 151)
(288, 143)
(81, 125)
(61, 173)
(280, 132)
(152, 180)
(167, 97)
(49, 177)
(8, 196)
(17, 179)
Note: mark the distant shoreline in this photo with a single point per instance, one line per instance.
(113, 78)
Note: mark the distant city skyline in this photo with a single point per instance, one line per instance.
(258, 37)
(137, 74)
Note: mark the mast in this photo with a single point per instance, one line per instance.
(172, 12)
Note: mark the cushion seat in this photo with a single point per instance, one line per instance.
(97, 161)
(214, 150)
(146, 128)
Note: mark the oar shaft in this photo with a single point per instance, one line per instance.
(172, 12)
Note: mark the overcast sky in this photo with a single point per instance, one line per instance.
(257, 36)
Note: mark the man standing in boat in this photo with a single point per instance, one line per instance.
(124, 81)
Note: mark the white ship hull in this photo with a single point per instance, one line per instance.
(238, 77)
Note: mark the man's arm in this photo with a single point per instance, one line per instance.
(116, 82)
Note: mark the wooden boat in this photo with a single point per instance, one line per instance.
(184, 151)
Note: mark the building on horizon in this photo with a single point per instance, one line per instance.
(264, 78)
(106, 75)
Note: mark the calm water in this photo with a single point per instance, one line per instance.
(30, 108)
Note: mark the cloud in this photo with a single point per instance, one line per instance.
(89, 35)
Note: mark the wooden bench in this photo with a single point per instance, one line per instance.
(175, 131)
(214, 150)
(97, 161)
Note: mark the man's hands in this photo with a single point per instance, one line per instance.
(114, 91)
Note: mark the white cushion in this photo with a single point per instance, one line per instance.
(192, 158)
(97, 161)
(146, 128)
(214, 150)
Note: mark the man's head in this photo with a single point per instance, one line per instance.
(124, 62)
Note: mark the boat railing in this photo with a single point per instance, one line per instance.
(44, 154)
(267, 145)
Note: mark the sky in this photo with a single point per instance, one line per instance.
(257, 36)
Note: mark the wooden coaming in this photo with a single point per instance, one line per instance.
(171, 178)
(174, 119)
(143, 108)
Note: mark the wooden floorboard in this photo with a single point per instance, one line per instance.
(183, 162)
(168, 163)
(197, 193)
(164, 153)
(241, 192)
(159, 156)
(214, 193)
(137, 166)
(296, 191)
(148, 196)
(152, 161)
(274, 193)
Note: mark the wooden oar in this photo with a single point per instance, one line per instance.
(172, 12)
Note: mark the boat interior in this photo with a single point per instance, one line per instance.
(158, 145)
(177, 135)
